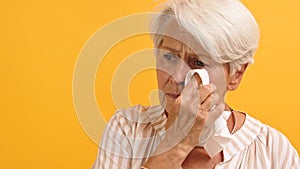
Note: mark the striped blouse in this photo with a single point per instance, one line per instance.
(133, 134)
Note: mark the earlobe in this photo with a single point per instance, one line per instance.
(236, 79)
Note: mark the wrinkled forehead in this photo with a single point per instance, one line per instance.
(177, 36)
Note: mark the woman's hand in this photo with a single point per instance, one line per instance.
(191, 110)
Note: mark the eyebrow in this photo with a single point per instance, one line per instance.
(178, 51)
(169, 48)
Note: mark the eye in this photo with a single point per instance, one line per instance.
(199, 63)
(170, 57)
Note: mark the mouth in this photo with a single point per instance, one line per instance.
(172, 95)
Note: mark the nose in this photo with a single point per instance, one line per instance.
(180, 72)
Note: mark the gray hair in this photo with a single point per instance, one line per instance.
(225, 28)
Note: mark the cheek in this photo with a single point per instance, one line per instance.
(162, 78)
(218, 77)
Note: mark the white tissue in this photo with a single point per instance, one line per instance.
(201, 72)
(214, 136)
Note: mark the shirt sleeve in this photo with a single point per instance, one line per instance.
(115, 148)
(284, 154)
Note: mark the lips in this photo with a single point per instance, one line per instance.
(172, 96)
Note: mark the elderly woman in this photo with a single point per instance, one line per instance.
(202, 48)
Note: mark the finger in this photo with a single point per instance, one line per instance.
(189, 107)
(208, 104)
(190, 87)
(185, 108)
(188, 112)
(202, 115)
(188, 96)
(206, 91)
(198, 79)
(215, 113)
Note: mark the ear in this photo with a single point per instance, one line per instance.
(236, 78)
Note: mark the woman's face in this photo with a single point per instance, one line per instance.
(173, 61)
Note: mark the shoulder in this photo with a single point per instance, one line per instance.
(129, 130)
(135, 119)
(270, 136)
(275, 146)
(263, 132)
(257, 145)
(126, 136)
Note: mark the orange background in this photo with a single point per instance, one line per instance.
(40, 42)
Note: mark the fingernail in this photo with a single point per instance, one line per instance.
(215, 100)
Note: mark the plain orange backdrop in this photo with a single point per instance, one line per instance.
(41, 41)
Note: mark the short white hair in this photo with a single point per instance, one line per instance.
(226, 29)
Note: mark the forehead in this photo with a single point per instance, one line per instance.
(177, 38)
(175, 45)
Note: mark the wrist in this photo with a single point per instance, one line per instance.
(183, 149)
(173, 158)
